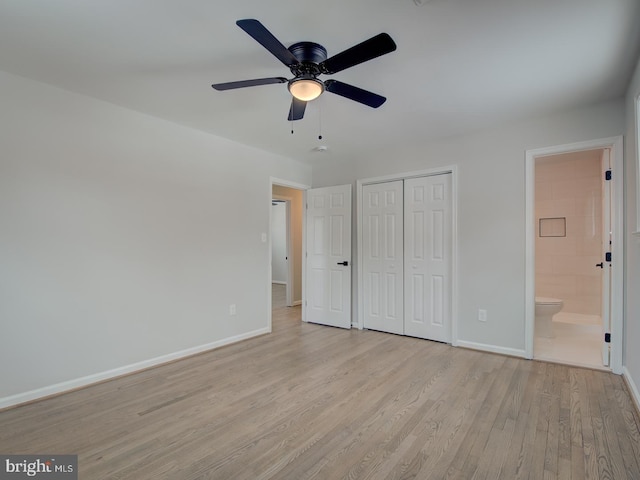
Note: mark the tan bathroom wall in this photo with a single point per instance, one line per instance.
(570, 186)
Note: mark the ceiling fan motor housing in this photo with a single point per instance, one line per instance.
(309, 55)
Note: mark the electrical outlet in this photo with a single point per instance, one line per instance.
(232, 309)
(482, 315)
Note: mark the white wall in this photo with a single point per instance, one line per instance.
(279, 243)
(491, 208)
(631, 354)
(114, 250)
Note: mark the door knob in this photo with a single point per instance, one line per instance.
(601, 264)
(345, 263)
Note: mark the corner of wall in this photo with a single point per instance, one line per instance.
(632, 387)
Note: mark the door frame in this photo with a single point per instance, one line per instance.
(298, 186)
(453, 170)
(617, 248)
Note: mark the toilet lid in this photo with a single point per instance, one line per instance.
(547, 300)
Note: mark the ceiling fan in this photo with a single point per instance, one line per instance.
(308, 60)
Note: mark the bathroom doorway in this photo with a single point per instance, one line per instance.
(569, 204)
(571, 234)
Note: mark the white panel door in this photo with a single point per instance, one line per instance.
(427, 246)
(382, 256)
(607, 239)
(328, 238)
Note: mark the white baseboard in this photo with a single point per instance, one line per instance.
(63, 387)
(633, 388)
(512, 352)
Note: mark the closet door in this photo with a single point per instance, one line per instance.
(383, 257)
(427, 256)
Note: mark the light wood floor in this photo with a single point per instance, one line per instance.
(317, 402)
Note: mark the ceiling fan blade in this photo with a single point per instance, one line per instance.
(376, 46)
(296, 112)
(248, 83)
(354, 93)
(265, 38)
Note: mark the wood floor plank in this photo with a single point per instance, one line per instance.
(575, 418)
(538, 427)
(552, 450)
(564, 425)
(314, 402)
(602, 454)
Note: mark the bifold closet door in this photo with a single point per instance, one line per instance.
(383, 257)
(427, 257)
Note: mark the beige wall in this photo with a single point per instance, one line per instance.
(296, 235)
(570, 186)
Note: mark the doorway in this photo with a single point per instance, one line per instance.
(280, 211)
(570, 209)
(285, 249)
(281, 263)
(573, 226)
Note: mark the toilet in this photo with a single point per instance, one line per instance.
(546, 308)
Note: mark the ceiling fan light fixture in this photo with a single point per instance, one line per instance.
(306, 88)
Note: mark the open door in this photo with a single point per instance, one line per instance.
(606, 256)
(328, 250)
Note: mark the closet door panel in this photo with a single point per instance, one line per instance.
(427, 257)
(383, 256)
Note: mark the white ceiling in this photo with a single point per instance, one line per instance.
(460, 66)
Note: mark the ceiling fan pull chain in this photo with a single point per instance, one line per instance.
(320, 120)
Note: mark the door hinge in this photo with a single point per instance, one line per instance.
(607, 338)
(607, 256)
(607, 175)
